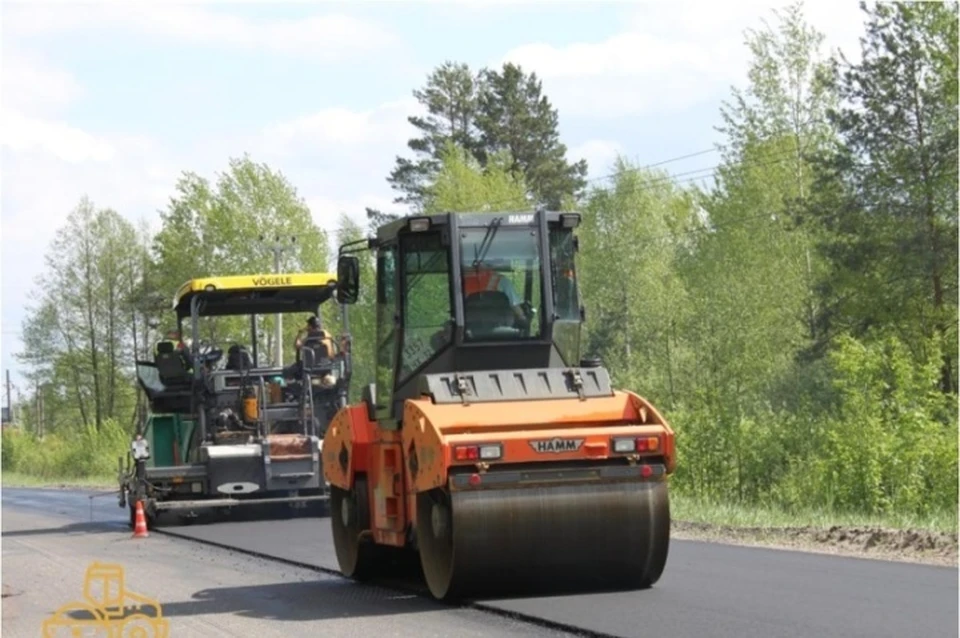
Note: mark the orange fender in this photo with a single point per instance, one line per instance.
(347, 445)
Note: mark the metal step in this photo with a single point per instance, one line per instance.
(292, 475)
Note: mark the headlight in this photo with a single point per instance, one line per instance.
(140, 448)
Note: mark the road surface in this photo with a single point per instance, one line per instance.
(203, 592)
(708, 589)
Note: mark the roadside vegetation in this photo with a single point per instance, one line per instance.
(795, 320)
(80, 456)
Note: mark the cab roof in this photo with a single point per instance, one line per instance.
(474, 219)
(256, 294)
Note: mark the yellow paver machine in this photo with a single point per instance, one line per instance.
(226, 431)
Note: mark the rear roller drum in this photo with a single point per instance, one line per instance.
(539, 539)
(349, 517)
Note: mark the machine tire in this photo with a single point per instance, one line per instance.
(357, 557)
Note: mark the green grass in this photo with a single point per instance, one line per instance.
(683, 508)
(18, 479)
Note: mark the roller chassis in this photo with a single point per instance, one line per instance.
(488, 451)
(559, 507)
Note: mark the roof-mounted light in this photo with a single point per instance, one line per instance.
(209, 288)
(570, 220)
(419, 224)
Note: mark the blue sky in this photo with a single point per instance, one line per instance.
(114, 100)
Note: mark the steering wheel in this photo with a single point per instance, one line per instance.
(528, 314)
(208, 353)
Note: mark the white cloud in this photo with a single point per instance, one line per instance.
(29, 84)
(345, 129)
(339, 158)
(41, 187)
(33, 93)
(669, 57)
(327, 37)
(24, 133)
(623, 55)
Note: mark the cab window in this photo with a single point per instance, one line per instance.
(501, 283)
(427, 311)
(386, 326)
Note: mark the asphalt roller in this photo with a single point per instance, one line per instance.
(486, 445)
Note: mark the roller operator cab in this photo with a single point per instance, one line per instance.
(485, 443)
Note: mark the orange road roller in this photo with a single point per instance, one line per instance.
(485, 443)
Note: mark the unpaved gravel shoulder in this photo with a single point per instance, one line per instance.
(914, 546)
(207, 592)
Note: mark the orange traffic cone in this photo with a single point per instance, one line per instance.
(140, 523)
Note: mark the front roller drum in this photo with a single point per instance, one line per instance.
(494, 543)
(349, 518)
(359, 557)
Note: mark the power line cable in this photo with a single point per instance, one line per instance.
(785, 155)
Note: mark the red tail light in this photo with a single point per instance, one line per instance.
(642, 444)
(479, 452)
(648, 443)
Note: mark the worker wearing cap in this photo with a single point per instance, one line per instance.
(313, 332)
(312, 329)
(172, 337)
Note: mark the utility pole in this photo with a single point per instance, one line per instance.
(38, 401)
(19, 419)
(277, 246)
(9, 399)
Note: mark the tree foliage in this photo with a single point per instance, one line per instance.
(226, 228)
(487, 114)
(80, 331)
(463, 184)
(634, 237)
(889, 191)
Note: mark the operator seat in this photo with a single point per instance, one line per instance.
(171, 366)
(488, 310)
(316, 348)
(238, 359)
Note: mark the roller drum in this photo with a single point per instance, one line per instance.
(493, 543)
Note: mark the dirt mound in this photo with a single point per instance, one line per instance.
(873, 542)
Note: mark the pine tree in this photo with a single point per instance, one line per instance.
(450, 98)
(486, 114)
(515, 116)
